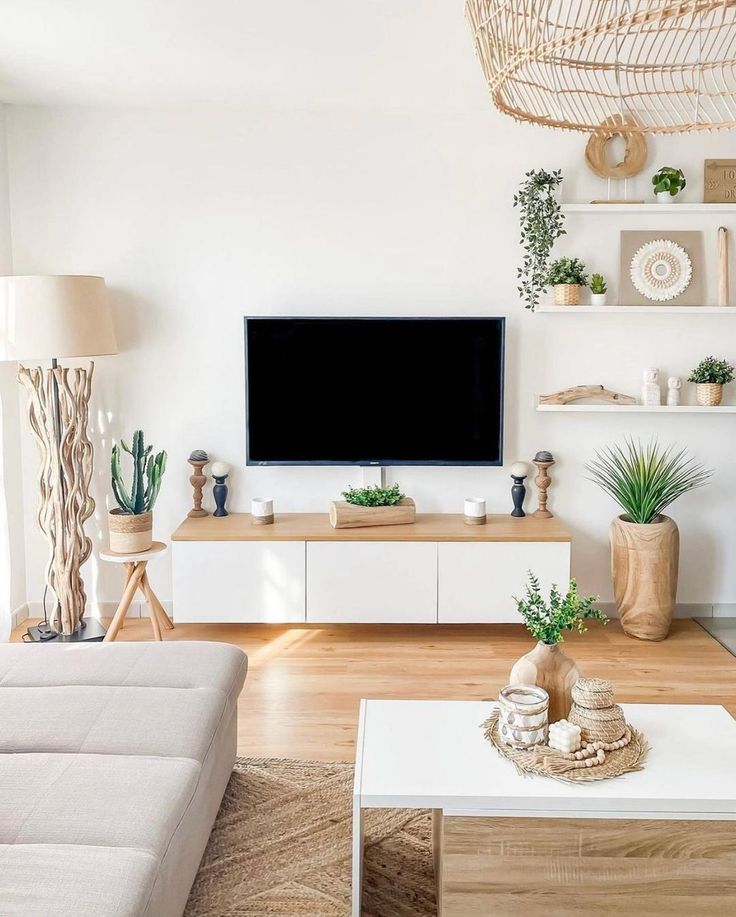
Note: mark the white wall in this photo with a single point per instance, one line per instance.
(12, 562)
(198, 216)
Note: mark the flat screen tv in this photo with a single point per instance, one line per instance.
(374, 391)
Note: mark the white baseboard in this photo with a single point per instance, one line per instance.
(137, 609)
(18, 616)
(688, 610)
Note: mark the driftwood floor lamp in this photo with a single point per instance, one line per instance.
(52, 318)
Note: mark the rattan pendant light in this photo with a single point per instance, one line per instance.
(665, 67)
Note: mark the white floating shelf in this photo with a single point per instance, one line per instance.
(637, 310)
(649, 208)
(636, 409)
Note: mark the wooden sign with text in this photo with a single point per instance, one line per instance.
(719, 181)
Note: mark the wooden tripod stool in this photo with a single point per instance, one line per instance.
(136, 578)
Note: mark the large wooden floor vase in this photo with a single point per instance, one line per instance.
(549, 668)
(644, 562)
(64, 476)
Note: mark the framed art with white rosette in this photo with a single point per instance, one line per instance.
(661, 270)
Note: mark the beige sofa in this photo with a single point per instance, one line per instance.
(113, 762)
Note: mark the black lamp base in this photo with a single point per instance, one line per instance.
(91, 631)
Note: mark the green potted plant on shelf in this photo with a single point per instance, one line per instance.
(567, 277)
(709, 376)
(131, 523)
(598, 290)
(668, 183)
(547, 620)
(541, 222)
(372, 505)
(645, 544)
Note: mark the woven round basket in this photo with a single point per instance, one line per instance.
(593, 693)
(602, 725)
(709, 394)
(567, 294)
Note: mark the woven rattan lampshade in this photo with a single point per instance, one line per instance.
(665, 67)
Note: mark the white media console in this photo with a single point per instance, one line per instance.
(301, 570)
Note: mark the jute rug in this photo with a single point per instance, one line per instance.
(281, 845)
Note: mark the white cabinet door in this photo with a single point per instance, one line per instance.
(372, 582)
(477, 581)
(238, 581)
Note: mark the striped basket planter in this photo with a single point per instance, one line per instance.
(567, 294)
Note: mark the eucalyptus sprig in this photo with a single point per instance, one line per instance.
(374, 495)
(547, 620)
(645, 479)
(541, 222)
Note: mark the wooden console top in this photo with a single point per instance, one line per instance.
(316, 527)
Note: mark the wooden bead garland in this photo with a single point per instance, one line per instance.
(593, 754)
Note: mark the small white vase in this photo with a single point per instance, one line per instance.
(664, 197)
(597, 299)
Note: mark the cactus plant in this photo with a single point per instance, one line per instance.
(147, 473)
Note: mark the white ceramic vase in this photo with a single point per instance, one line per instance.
(597, 299)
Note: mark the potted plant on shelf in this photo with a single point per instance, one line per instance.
(567, 277)
(372, 506)
(131, 523)
(598, 290)
(645, 544)
(541, 222)
(547, 620)
(668, 183)
(709, 376)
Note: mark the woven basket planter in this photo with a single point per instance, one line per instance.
(567, 294)
(130, 534)
(644, 563)
(709, 394)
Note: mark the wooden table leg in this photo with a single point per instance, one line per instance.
(164, 620)
(145, 588)
(129, 568)
(130, 589)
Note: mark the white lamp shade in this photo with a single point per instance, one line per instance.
(44, 316)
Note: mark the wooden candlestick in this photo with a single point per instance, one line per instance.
(198, 459)
(722, 266)
(543, 461)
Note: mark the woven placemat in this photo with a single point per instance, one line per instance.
(546, 762)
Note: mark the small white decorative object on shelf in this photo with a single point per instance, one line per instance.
(674, 384)
(564, 736)
(661, 270)
(651, 393)
(261, 509)
(475, 511)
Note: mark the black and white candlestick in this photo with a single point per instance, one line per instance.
(519, 471)
(220, 471)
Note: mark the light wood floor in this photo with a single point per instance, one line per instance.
(304, 683)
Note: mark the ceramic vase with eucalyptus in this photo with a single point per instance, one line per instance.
(548, 667)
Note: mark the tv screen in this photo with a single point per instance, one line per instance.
(374, 391)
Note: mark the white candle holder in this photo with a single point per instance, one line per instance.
(523, 713)
(261, 509)
(475, 511)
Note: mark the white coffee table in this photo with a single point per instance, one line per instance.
(662, 836)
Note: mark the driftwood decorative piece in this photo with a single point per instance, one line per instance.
(722, 266)
(64, 476)
(543, 461)
(198, 459)
(344, 515)
(578, 392)
(635, 149)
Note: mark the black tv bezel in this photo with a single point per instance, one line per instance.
(379, 462)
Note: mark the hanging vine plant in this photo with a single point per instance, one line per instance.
(542, 221)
